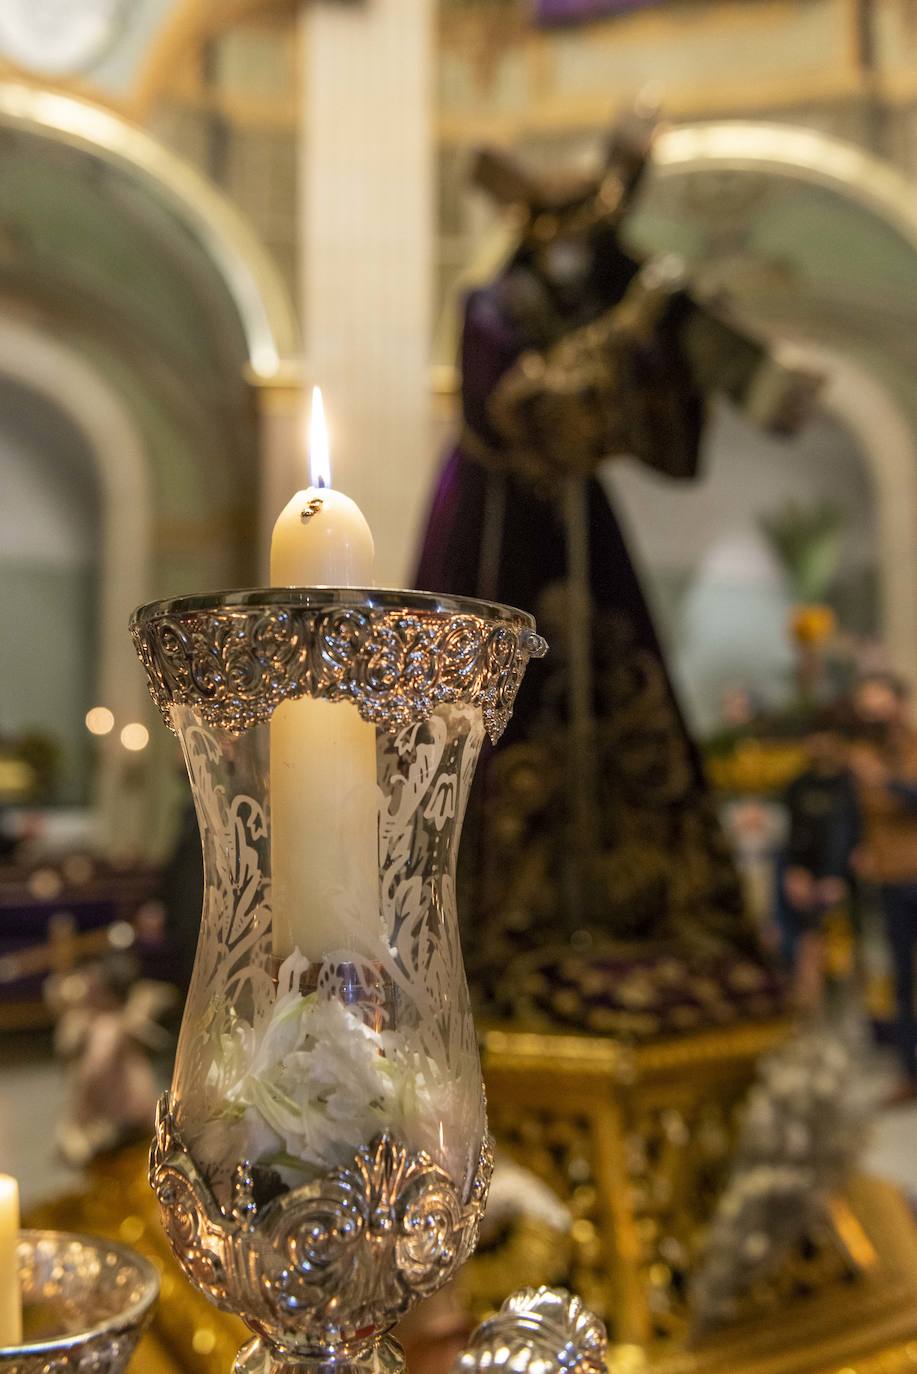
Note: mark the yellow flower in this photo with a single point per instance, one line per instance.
(812, 624)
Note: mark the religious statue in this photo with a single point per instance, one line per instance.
(596, 822)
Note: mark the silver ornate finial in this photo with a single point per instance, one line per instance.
(543, 1329)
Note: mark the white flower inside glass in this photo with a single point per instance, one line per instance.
(297, 1051)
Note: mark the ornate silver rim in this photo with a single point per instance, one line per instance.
(327, 598)
(235, 656)
(131, 1317)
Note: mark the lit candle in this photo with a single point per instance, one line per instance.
(10, 1300)
(324, 868)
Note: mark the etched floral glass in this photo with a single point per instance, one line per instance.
(323, 1158)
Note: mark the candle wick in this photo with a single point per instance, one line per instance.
(311, 509)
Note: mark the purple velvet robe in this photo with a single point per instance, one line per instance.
(656, 819)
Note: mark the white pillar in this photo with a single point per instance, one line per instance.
(367, 255)
(282, 459)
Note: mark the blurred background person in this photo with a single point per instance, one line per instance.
(824, 830)
(884, 761)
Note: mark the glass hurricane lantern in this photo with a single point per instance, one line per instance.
(322, 1161)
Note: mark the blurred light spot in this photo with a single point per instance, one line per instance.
(203, 1340)
(74, 987)
(121, 935)
(45, 884)
(99, 721)
(135, 736)
(77, 868)
(131, 1229)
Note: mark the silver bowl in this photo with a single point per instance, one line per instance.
(85, 1302)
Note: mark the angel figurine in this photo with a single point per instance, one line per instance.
(107, 1027)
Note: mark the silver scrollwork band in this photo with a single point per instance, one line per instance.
(328, 1265)
(396, 656)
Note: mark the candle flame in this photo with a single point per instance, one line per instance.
(319, 455)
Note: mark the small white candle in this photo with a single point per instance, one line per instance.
(321, 538)
(10, 1299)
(324, 816)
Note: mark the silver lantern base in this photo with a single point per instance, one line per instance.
(93, 1297)
(323, 1271)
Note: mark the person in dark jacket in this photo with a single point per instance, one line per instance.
(884, 761)
(824, 831)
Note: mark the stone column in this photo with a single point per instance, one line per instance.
(282, 449)
(366, 188)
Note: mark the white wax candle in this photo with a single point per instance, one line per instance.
(10, 1300)
(324, 817)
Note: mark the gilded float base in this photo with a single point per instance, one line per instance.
(865, 1326)
(639, 1141)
